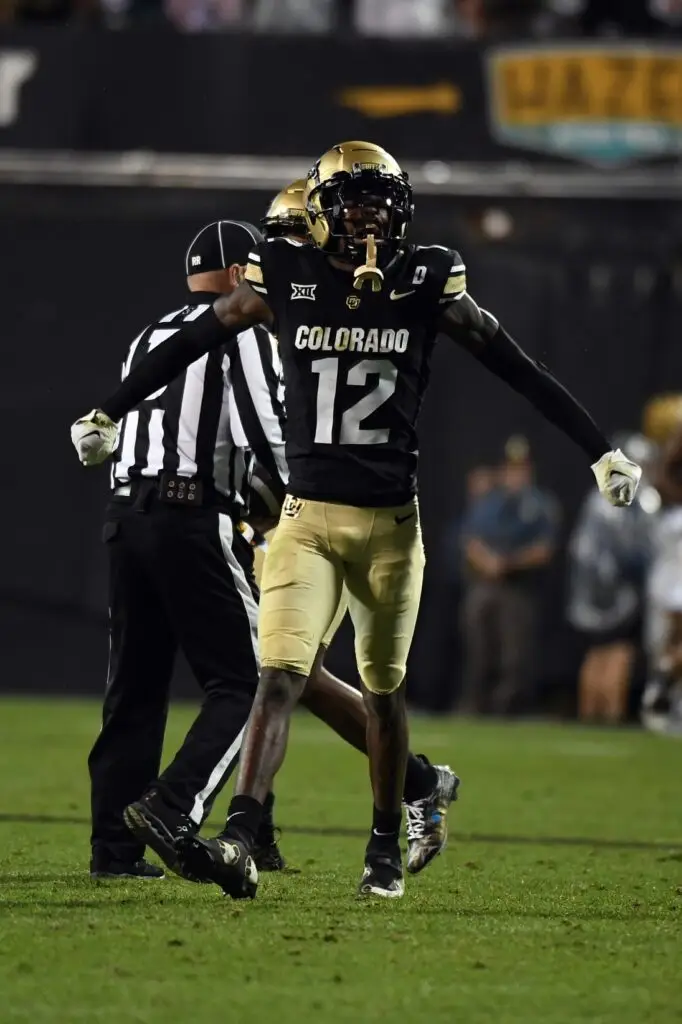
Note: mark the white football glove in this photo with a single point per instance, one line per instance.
(617, 477)
(94, 437)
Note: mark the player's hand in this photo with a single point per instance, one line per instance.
(617, 477)
(94, 437)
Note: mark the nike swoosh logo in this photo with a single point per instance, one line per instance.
(403, 519)
(402, 295)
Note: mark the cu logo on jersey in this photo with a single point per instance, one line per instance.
(303, 291)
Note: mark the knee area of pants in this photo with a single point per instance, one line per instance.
(384, 681)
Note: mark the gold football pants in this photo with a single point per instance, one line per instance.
(317, 548)
(258, 561)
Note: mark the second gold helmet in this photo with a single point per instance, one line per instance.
(286, 213)
(662, 417)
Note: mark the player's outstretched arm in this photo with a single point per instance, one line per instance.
(229, 315)
(94, 435)
(479, 331)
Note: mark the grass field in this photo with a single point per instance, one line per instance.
(558, 900)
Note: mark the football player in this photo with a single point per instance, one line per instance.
(429, 789)
(356, 314)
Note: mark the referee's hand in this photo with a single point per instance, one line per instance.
(94, 437)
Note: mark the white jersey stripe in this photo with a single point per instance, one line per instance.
(190, 411)
(197, 425)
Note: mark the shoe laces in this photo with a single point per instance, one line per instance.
(416, 820)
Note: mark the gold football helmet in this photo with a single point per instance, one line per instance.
(363, 176)
(286, 213)
(662, 417)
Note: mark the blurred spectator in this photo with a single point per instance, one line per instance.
(202, 15)
(616, 17)
(404, 17)
(609, 555)
(495, 19)
(480, 481)
(668, 12)
(294, 15)
(49, 12)
(509, 535)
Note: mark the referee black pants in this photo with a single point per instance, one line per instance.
(178, 577)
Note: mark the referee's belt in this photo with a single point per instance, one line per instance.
(173, 489)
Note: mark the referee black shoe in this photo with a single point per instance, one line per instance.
(223, 860)
(160, 827)
(100, 868)
(383, 874)
(266, 853)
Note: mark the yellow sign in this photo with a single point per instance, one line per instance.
(609, 104)
(402, 100)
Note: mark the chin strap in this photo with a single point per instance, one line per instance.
(369, 273)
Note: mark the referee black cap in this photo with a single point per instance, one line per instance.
(219, 245)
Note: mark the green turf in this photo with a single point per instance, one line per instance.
(506, 927)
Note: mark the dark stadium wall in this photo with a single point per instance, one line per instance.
(86, 269)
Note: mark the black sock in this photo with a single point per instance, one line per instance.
(266, 829)
(243, 818)
(268, 805)
(420, 778)
(386, 826)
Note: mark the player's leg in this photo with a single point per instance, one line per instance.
(662, 700)
(590, 684)
(620, 661)
(342, 708)
(301, 589)
(385, 587)
(127, 752)
(334, 702)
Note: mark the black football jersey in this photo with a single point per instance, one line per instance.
(356, 365)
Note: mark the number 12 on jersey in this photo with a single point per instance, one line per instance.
(328, 386)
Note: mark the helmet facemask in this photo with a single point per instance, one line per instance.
(354, 206)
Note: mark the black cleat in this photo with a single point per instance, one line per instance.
(268, 858)
(383, 874)
(266, 853)
(124, 869)
(427, 820)
(160, 827)
(222, 860)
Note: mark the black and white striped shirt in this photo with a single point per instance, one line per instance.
(222, 413)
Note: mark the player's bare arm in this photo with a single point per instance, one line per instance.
(480, 333)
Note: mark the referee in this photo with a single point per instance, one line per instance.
(180, 572)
